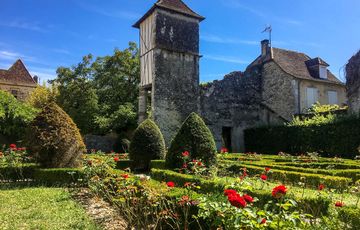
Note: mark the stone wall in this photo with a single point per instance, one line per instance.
(353, 82)
(175, 87)
(23, 90)
(235, 102)
(280, 90)
(103, 143)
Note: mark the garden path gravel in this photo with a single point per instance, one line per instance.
(99, 210)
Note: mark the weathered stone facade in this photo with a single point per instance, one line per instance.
(270, 91)
(17, 81)
(170, 38)
(235, 104)
(353, 82)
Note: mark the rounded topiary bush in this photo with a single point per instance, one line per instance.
(54, 139)
(147, 144)
(196, 138)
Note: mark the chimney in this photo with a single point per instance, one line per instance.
(265, 47)
(36, 79)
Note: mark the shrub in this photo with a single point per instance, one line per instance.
(15, 116)
(61, 176)
(350, 215)
(147, 144)
(54, 139)
(340, 138)
(196, 138)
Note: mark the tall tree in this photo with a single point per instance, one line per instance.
(77, 95)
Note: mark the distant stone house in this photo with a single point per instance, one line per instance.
(274, 87)
(17, 81)
(292, 81)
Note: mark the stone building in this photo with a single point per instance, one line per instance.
(353, 82)
(17, 81)
(274, 87)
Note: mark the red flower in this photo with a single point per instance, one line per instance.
(185, 154)
(224, 150)
(13, 147)
(339, 204)
(237, 201)
(170, 184)
(321, 187)
(248, 198)
(228, 192)
(116, 159)
(279, 191)
(263, 177)
(263, 221)
(184, 166)
(199, 163)
(125, 176)
(267, 169)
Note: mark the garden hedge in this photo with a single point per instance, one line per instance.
(54, 139)
(293, 177)
(340, 139)
(354, 174)
(196, 138)
(147, 144)
(350, 215)
(314, 206)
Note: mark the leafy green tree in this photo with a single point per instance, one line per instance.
(15, 116)
(101, 95)
(116, 78)
(77, 95)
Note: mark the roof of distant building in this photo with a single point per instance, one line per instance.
(177, 6)
(17, 74)
(297, 64)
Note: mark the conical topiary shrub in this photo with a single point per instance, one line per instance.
(147, 144)
(196, 138)
(54, 139)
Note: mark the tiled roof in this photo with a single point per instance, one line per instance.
(17, 74)
(172, 5)
(294, 63)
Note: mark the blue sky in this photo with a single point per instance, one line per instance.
(47, 34)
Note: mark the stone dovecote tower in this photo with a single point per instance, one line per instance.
(169, 57)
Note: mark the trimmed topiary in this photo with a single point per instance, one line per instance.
(54, 139)
(196, 138)
(147, 144)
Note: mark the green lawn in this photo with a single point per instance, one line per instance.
(41, 208)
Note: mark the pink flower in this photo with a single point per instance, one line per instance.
(13, 146)
(185, 154)
(184, 166)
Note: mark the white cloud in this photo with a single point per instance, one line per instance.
(13, 56)
(216, 39)
(225, 59)
(19, 24)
